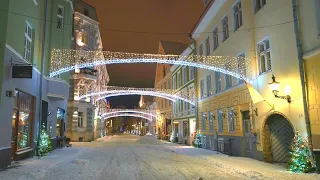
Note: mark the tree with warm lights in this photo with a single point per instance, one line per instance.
(44, 143)
(301, 160)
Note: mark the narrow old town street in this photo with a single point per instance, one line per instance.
(135, 157)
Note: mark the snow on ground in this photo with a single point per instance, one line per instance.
(134, 157)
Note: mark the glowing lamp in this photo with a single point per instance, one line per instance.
(274, 86)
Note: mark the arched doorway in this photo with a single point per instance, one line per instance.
(278, 134)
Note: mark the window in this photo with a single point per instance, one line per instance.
(28, 43)
(210, 121)
(225, 28)
(228, 77)
(209, 85)
(207, 46)
(179, 79)
(264, 56)
(201, 50)
(191, 94)
(184, 75)
(180, 105)
(22, 120)
(237, 16)
(215, 38)
(174, 82)
(80, 119)
(258, 4)
(203, 118)
(164, 71)
(220, 121)
(217, 81)
(231, 119)
(202, 88)
(242, 66)
(191, 73)
(60, 15)
(86, 12)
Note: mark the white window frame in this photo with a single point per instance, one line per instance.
(237, 12)
(81, 120)
(191, 73)
(179, 79)
(239, 58)
(215, 37)
(209, 85)
(264, 54)
(208, 46)
(210, 115)
(201, 50)
(184, 75)
(174, 84)
(60, 17)
(231, 128)
(28, 38)
(217, 80)
(202, 88)
(203, 118)
(220, 120)
(258, 4)
(225, 28)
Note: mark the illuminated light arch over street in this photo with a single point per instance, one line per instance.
(64, 60)
(111, 91)
(136, 111)
(129, 115)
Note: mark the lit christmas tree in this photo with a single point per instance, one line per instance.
(300, 160)
(45, 143)
(197, 141)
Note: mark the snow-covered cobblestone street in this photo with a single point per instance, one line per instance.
(134, 157)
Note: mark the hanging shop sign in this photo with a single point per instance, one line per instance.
(22, 72)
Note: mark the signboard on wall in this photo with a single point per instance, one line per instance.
(22, 72)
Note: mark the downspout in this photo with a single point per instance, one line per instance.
(41, 74)
(195, 83)
(302, 76)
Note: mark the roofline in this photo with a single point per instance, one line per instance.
(201, 17)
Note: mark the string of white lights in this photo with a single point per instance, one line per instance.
(117, 111)
(129, 115)
(64, 60)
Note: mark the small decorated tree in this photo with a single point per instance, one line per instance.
(197, 141)
(44, 143)
(300, 160)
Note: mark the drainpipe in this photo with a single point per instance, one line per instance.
(195, 83)
(302, 75)
(41, 74)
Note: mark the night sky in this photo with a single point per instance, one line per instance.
(138, 26)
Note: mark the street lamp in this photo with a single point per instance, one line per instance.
(274, 85)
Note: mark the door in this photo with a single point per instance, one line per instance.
(281, 137)
(14, 133)
(247, 134)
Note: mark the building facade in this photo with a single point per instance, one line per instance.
(82, 112)
(308, 31)
(31, 100)
(229, 117)
(184, 117)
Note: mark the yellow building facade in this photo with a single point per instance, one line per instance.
(229, 118)
(309, 28)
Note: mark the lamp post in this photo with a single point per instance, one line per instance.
(274, 86)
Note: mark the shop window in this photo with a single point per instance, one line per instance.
(22, 121)
(60, 127)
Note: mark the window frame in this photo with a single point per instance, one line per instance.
(201, 50)
(203, 119)
(184, 75)
(211, 124)
(231, 120)
(217, 81)
(61, 17)
(209, 86)
(264, 55)
(215, 37)
(225, 28)
(202, 88)
(28, 38)
(174, 84)
(81, 120)
(179, 79)
(220, 120)
(260, 3)
(238, 12)
(207, 46)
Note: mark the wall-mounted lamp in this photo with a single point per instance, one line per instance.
(274, 85)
